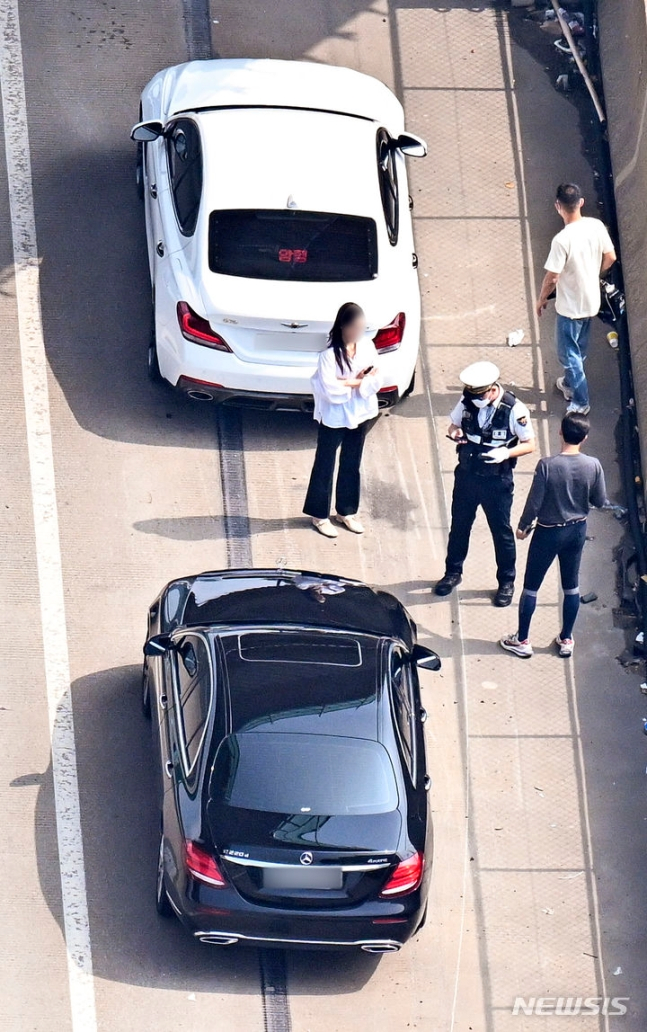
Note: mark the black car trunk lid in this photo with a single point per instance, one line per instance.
(290, 859)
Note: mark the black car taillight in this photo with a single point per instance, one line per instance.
(406, 877)
(196, 329)
(202, 865)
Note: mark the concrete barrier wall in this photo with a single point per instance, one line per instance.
(623, 46)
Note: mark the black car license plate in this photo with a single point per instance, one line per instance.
(302, 878)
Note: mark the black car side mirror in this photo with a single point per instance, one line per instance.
(158, 645)
(425, 659)
(146, 132)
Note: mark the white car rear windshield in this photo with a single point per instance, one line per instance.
(292, 245)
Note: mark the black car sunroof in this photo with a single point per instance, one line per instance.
(305, 679)
(299, 647)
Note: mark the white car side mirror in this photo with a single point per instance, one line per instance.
(412, 146)
(146, 132)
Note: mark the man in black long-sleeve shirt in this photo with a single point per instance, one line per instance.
(564, 488)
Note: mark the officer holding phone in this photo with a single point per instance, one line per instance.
(491, 428)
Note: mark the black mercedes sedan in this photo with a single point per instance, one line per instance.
(292, 783)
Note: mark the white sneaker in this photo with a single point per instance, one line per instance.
(325, 527)
(351, 523)
(561, 386)
(511, 643)
(565, 646)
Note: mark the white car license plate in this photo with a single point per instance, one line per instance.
(302, 878)
(305, 342)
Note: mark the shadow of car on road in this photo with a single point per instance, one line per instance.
(130, 942)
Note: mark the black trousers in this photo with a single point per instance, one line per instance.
(330, 439)
(494, 495)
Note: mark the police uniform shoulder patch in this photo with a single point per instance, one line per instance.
(522, 420)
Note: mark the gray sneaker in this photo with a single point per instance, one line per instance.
(511, 643)
(561, 386)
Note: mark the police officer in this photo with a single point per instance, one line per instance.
(491, 429)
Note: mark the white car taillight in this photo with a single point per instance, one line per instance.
(389, 337)
(196, 329)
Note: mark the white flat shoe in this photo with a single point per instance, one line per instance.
(325, 527)
(351, 523)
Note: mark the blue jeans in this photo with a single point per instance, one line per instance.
(572, 347)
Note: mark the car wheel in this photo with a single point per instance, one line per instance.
(154, 373)
(139, 171)
(412, 386)
(164, 908)
(423, 920)
(139, 164)
(153, 364)
(146, 691)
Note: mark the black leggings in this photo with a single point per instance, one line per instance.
(547, 544)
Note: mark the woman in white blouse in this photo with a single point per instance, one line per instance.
(345, 388)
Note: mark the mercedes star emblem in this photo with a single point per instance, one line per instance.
(306, 859)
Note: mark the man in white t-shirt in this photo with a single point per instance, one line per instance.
(579, 255)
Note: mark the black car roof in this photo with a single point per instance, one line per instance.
(267, 597)
(302, 681)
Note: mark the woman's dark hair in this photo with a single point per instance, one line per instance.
(575, 427)
(346, 315)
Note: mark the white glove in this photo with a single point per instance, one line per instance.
(497, 455)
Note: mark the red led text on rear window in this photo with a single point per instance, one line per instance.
(287, 254)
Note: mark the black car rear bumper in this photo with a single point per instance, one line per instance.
(368, 945)
(222, 917)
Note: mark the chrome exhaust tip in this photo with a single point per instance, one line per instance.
(200, 395)
(385, 947)
(219, 940)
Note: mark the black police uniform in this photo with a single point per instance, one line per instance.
(487, 484)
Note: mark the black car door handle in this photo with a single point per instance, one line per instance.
(168, 769)
(427, 782)
(164, 701)
(153, 190)
(423, 715)
(160, 249)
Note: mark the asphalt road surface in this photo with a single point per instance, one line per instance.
(111, 487)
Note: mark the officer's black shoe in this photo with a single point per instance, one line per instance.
(504, 594)
(446, 585)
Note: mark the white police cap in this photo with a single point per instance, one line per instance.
(478, 376)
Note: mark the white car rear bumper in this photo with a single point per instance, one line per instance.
(220, 376)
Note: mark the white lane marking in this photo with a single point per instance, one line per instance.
(48, 549)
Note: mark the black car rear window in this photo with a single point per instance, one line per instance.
(320, 775)
(299, 647)
(292, 245)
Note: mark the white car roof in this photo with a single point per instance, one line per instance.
(267, 83)
(263, 158)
